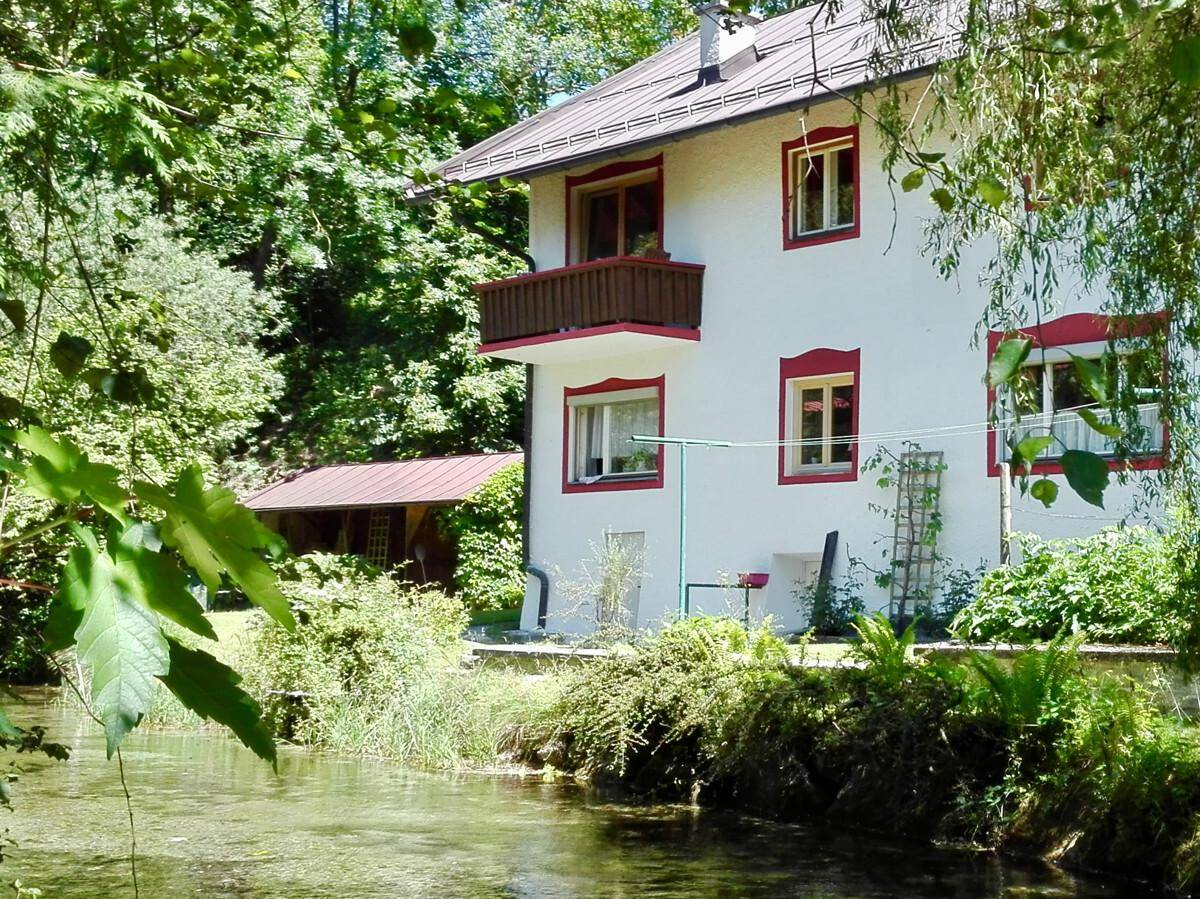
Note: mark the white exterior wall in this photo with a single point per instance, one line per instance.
(722, 200)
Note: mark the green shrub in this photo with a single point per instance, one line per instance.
(1117, 586)
(373, 667)
(486, 526)
(1030, 754)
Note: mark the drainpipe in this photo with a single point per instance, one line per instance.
(526, 509)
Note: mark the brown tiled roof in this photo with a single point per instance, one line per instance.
(443, 479)
(805, 59)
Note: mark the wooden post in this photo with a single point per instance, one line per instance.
(1005, 513)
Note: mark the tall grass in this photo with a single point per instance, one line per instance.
(375, 667)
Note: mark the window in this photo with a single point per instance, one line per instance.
(378, 537)
(821, 187)
(615, 211)
(1050, 392)
(601, 422)
(819, 417)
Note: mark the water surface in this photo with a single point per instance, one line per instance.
(214, 821)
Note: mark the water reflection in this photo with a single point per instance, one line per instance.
(213, 821)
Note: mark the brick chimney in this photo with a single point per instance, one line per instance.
(726, 40)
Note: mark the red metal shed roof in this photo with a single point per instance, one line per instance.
(805, 58)
(441, 479)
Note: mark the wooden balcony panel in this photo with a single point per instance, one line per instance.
(593, 294)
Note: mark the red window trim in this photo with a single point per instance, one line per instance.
(1067, 331)
(622, 169)
(815, 364)
(606, 386)
(820, 136)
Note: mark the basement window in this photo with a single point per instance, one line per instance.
(601, 424)
(821, 187)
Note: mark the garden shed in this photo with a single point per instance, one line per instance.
(382, 511)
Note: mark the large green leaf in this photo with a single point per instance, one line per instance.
(215, 535)
(993, 192)
(1045, 491)
(1107, 428)
(118, 638)
(61, 472)
(912, 180)
(1184, 61)
(943, 198)
(15, 312)
(210, 689)
(1009, 356)
(1091, 376)
(156, 579)
(69, 354)
(1030, 448)
(1087, 474)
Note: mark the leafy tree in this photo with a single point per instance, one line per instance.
(147, 150)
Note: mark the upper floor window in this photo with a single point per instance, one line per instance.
(818, 424)
(615, 211)
(601, 422)
(821, 187)
(1049, 393)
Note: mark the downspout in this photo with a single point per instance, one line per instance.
(526, 509)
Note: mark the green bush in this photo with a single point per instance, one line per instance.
(373, 667)
(1117, 586)
(1033, 755)
(487, 529)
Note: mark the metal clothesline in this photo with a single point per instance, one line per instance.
(963, 430)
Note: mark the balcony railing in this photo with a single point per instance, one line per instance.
(1072, 432)
(624, 289)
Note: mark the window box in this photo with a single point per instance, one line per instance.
(818, 417)
(599, 422)
(821, 195)
(1051, 393)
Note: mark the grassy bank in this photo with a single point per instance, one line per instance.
(1035, 756)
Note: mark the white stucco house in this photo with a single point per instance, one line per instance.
(718, 258)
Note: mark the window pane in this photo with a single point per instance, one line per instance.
(627, 419)
(812, 194)
(812, 425)
(1029, 391)
(843, 423)
(641, 218)
(843, 188)
(1069, 393)
(589, 441)
(601, 220)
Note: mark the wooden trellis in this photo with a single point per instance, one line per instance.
(914, 548)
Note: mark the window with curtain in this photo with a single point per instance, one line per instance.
(822, 424)
(602, 430)
(1050, 391)
(822, 182)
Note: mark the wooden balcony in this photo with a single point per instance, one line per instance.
(608, 307)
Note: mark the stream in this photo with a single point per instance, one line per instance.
(214, 821)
